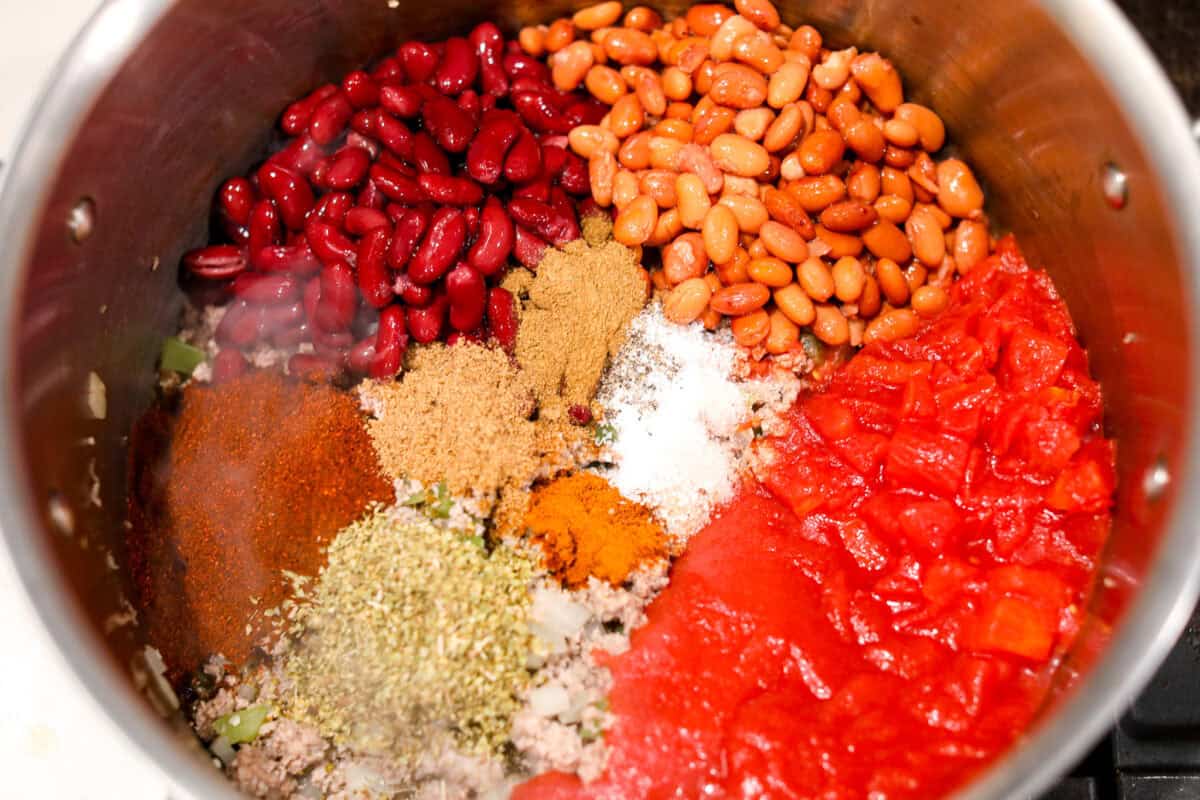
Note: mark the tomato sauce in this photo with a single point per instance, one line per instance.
(879, 617)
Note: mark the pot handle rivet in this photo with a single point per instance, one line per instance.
(1115, 184)
(61, 515)
(1156, 480)
(81, 220)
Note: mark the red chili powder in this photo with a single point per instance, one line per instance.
(248, 479)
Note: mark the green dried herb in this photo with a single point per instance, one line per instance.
(415, 635)
(605, 433)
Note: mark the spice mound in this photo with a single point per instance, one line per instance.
(260, 473)
(587, 528)
(574, 319)
(460, 415)
(415, 639)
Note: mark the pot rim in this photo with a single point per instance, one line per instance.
(1146, 633)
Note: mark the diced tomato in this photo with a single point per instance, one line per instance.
(918, 401)
(880, 623)
(868, 551)
(1084, 485)
(930, 524)
(1013, 625)
(926, 459)
(1032, 360)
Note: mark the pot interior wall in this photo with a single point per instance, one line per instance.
(197, 100)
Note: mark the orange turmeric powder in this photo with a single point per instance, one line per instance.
(587, 528)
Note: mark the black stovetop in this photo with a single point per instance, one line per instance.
(1154, 752)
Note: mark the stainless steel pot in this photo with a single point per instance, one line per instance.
(1084, 149)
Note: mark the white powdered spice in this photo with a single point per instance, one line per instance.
(682, 420)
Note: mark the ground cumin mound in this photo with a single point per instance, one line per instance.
(248, 479)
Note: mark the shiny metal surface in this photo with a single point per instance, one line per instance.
(158, 100)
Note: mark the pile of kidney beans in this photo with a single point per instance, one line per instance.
(394, 206)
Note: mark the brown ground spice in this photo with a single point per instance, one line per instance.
(586, 528)
(248, 479)
(459, 414)
(578, 307)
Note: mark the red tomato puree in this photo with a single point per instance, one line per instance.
(880, 616)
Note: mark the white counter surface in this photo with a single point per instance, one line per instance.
(57, 743)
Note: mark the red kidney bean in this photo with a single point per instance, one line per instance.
(237, 200)
(394, 134)
(458, 68)
(452, 127)
(495, 240)
(332, 343)
(425, 324)
(412, 294)
(239, 327)
(290, 191)
(520, 65)
(449, 190)
(389, 70)
(528, 248)
(360, 89)
(419, 60)
(373, 279)
(338, 300)
(428, 157)
(296, 116)
(358, 360)
(259, 288)
(390, 161)
(330, 244)
(408, 232)
(403, 101)
(554, 157)
(585, 112)
(485, 158)
(566, 229)
(370, 196)
(216, 262)
(333, 207)
(540, 113)
(502, 317)
(440, 247)
(347, 168)
(311, 298)
(290, 258)
(471, 215)
(468, 102)
(362, 123)
(524, 160)
(391, 340)
(548, 222)
(361, 220)
(290, 337)
(574, 176)
(535, 190)
(281, 316)
(264, 226)
(468, 296)
(489, 48)
(301, 155)
(330, 118)
(363, 142)
(397, 187)
(227, 365)
(313, 368)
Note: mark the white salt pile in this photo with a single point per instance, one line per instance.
(683, 420)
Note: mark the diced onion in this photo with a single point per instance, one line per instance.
(549, 701)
